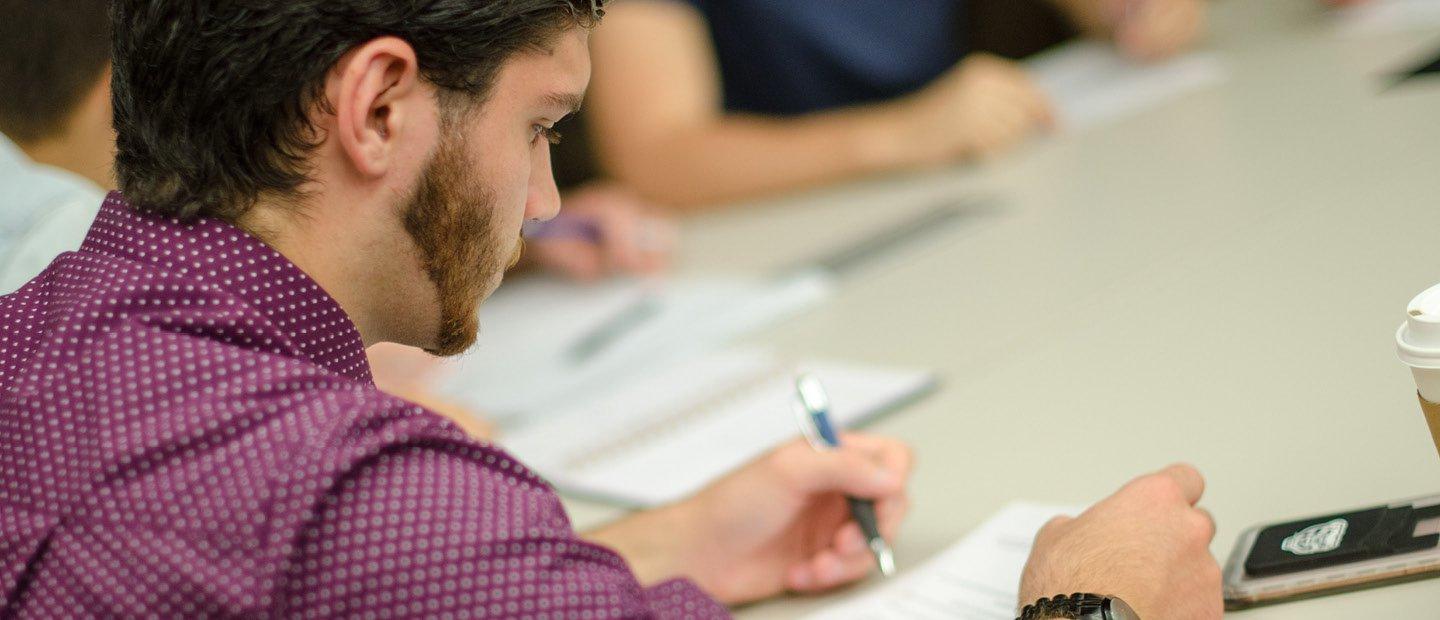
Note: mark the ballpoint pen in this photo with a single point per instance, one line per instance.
(812, 411)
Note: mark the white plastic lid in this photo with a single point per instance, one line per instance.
(1418, 339)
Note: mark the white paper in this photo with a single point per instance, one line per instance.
(1090, 83)
(976, 579)
(1388, 16)
(666, 434)
(524, 362)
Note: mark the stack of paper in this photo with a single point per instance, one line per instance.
(664, 435)
(545, 344)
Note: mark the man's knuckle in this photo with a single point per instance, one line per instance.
(1161, 487)
(1055, 523)
(1212, 573)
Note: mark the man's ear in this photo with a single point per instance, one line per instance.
(371, 90)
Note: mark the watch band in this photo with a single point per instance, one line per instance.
(1080, 606)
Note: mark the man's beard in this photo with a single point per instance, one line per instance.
(451, 218)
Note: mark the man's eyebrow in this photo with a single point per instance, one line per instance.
(570, 102)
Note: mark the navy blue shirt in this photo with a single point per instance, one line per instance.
(786, 57)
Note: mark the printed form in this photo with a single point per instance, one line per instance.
(976, 579)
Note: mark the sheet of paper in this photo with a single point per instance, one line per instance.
(1378, 17)
(526, 360)
(1091, 84)
(664, 435)
(976, 579)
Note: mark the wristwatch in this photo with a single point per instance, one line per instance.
(1080, 606)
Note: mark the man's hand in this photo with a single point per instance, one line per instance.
(1148, 544)
(781, 523)
(631, 240)
(980, 107)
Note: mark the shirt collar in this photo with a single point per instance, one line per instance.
(220, 254)
(11, 156)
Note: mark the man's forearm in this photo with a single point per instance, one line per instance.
(650, 541)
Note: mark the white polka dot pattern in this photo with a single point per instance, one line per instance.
(188, 429)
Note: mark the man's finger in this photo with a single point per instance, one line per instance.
(1208, 522)
(892, 454)
(846, 470)
(576, 259)
(620, 236)
(891, 513)
(832, 570)
(1191, 483)
(848, 539)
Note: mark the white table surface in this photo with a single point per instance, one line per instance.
(1217, 280)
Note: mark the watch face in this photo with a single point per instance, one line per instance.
(1116, 609)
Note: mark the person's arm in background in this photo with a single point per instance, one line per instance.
(659, 124)
(1142, 29)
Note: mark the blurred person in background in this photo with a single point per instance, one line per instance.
(57, 149)
(56, 142)
(697, 102)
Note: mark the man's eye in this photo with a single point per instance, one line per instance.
(548, 133)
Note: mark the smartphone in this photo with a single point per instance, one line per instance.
(1340, 552)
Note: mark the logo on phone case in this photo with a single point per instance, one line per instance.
(1318, 538)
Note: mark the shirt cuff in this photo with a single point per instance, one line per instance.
(679, 598)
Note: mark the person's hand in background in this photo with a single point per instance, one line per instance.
(1156, 29)
(1147, 544)
(982, 106)
(603, 230)
(1141, 29)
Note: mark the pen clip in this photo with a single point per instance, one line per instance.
(807, 426)
(810, 406)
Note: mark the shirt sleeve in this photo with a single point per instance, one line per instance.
(420, 532)
(60, 231)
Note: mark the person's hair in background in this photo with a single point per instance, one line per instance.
(225, 119)
(54, 54)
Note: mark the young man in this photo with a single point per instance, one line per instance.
(57, 150)
(698, 102)
(189, 425)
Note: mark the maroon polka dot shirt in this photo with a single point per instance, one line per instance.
(188, 428)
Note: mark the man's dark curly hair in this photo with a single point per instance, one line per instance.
(213, 98)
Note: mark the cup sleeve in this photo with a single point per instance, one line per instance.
(1432, 417)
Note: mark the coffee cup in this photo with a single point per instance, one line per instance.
(1418, 343)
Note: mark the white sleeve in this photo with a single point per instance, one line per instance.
(61, 231)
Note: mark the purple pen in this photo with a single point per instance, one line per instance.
(564, 227)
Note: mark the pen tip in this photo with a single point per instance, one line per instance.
(884, 557)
